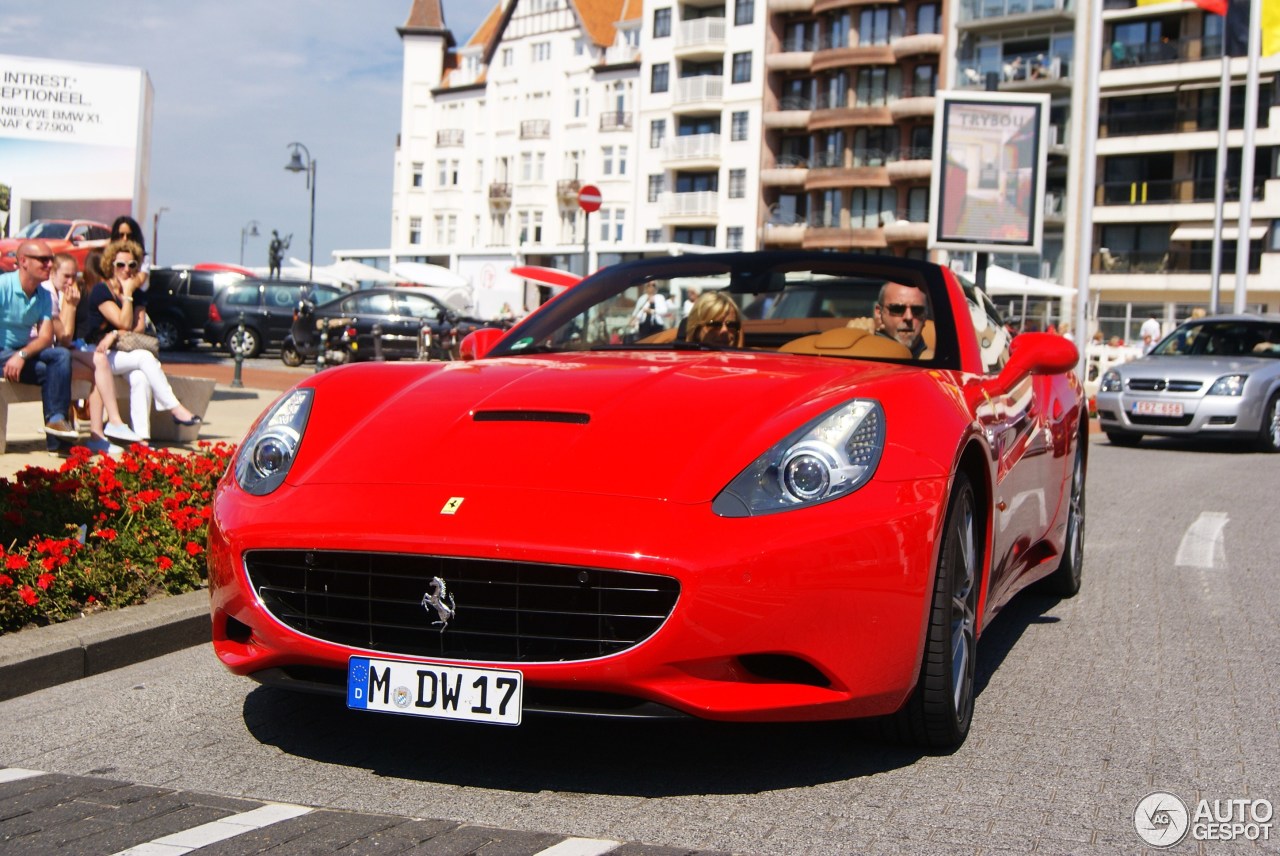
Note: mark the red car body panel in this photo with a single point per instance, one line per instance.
(78, 249)
(841, 585)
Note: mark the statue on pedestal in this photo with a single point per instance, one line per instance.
(276, 252)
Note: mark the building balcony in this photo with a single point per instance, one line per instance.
(796, 58)
(535, 129)
(921, 44)
(700, 38)
(698, 93)
(784, 234)
(976, 14)
(826, 59)
(621, 54)
(499, 194)
(786, 172)
(1017, 72)
(1132, 54)
(700, 207)
(567, 189)
(793, 111)
(911, 165)
(694, 150)
(908, 231)
(449, 139)
(856, 115)
(785, 6)
(834, 236)
(615, 120)
(913, 107)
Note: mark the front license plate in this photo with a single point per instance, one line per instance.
(1157, 408)
(436, 690)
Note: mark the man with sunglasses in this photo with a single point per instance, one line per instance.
(25, 306)
(900, 314)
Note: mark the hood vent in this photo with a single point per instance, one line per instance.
(531, 416)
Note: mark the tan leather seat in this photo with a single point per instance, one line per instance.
(847, 342)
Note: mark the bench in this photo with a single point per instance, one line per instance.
(194, 392)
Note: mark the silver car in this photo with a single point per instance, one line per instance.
(1211, 377)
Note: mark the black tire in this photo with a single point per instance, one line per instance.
(1269, 433)
(1065, 582)
(248, 344)
(290, 357)
(170, 334)
(940, 709)
(1123, 438)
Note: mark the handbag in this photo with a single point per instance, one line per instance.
(127, 340)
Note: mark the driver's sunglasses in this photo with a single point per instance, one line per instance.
(897, 310)
(731, 326)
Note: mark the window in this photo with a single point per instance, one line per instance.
(744, 12)
(526, 166)
(701, 237)
(737, 183)
(738, 126)
(733, 237)
(541, 51)
(874, 146)
(657, 133)
(870, 207)
(579, 103)
(927, 18)
(877, 25)
(838, 25)
(607, 153)
(924, 81)
(415, 230)
(442, 173)
(661, 23)
(653, 236)
(918, 205)
(417, 175)
(612, 223)
(742, 67)
(659, 81)
(698, 182)
(508, 57)
(439, 233)
(656, 184)
(452, 235)
(875, 85)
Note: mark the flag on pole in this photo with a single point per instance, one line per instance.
(1217, 7)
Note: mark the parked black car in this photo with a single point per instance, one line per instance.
(267, 305)
(178, 301)
(402, 313)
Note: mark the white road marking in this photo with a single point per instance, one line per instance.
(580, 847)
(1202, 545)
(13, 774)
(219, 830)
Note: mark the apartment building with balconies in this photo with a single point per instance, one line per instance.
(1157, 150)
(499, 134)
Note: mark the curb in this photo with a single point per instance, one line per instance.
(43, 657)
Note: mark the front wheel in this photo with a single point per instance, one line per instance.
(170, 334)
(245, 342)
(940, 709)
(1269, 433)
(289, 356)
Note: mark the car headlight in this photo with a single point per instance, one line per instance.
(1111, 381)
(1232, 384)
(266, 455)
(830, 457)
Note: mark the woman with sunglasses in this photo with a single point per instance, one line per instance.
(714, 320)
(112, 310)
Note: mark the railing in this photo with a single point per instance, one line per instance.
(919, 89)
(976, 10)
(1169, 261)
(831, 41)
(535, 129)
(1145, 120)
(791, 162)
(827, 160)
(699, 203)
(1014, 68)
(1129, 54)
(691, 90)
(831, 101)
(911, 153)
(872, 156)
(615, 120)
(692, 146)
(795, 102)
(786, 218)
(700, 31)
(567, 188)
(798, 44)
(447, 138)
(499, 191)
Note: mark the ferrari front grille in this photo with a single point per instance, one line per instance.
(460, 609)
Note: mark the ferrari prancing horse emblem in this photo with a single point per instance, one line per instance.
(435, 599)
(452, 506)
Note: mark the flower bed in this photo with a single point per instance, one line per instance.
(103, 533)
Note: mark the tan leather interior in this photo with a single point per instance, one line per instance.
(847, 342)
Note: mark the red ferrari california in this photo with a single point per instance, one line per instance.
(767, 486)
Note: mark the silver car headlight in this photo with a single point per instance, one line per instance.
(830, 457)
(1232, 384)
(265, 456)
(1111, 381)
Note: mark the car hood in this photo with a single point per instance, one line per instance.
(667, 425)
(1200, 367)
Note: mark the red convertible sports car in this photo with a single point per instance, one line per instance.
(662, 495)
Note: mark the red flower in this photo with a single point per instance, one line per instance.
(5, 580)
(15, 562)
(44, 581)
(105, 534)
(194, 549)
(28, 594)
(165, 563)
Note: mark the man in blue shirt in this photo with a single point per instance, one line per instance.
(25, 306)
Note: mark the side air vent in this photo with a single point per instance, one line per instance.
(530, 416)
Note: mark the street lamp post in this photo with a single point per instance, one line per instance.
(296, 164)
(249, 230)
(155, 227)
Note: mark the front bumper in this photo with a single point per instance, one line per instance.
(1210, 414)
(812, 614)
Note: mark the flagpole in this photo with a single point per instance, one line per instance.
(1092, 51)
(1220, 178)
(1247, 155)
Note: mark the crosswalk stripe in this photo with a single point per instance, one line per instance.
(580, 847)
(219, 830)
(14, 774)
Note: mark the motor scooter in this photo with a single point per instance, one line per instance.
(329, 341)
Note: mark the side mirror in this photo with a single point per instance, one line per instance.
(479, 342)
(1029, 354)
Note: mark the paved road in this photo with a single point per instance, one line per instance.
(1159, 676)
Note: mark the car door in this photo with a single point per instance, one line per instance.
(279, 300)
(414, 312)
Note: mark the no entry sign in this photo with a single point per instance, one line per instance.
(589, 198)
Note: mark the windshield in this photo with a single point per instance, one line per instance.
(1222, 338)
(814, 304)
(44, 230)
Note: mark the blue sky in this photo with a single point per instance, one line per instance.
(235, 82)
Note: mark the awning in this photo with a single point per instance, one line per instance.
(1204, 232)
(1002, 282)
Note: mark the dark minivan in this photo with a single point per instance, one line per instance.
(267, 306)
(178, 301)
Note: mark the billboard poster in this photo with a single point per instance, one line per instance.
(74, 140)
(989, 156)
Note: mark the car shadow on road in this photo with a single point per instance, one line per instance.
(619, 757)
